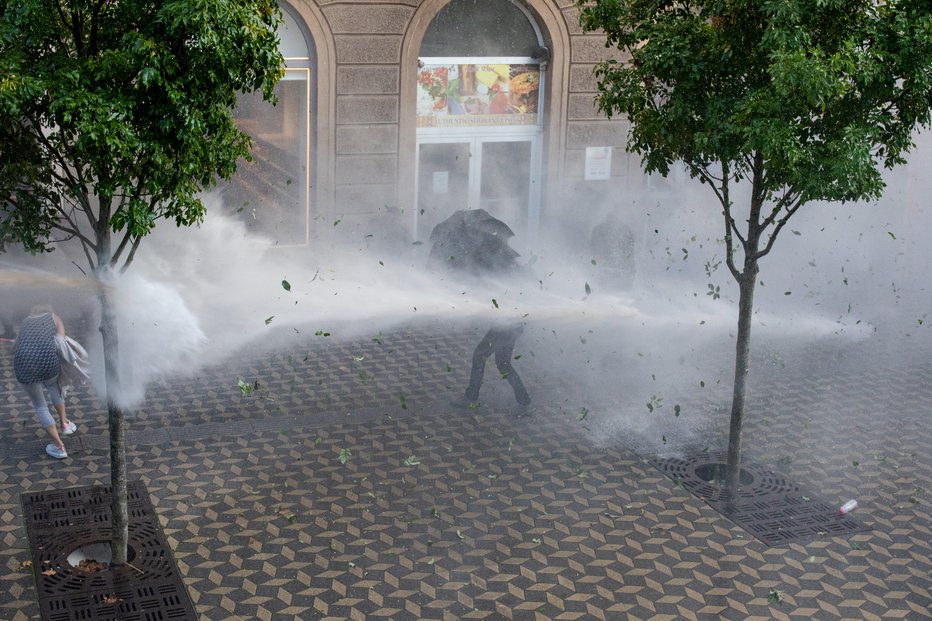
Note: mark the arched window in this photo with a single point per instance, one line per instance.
(272, 193)
(479, 115)
(481, 28)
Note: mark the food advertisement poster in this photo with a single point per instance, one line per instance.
(477, 95)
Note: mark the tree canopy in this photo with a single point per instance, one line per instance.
(823, 93)
(117, 113)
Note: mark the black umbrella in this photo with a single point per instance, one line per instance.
(474, 241)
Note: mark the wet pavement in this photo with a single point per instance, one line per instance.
(345, 485)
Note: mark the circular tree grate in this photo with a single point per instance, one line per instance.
(62, 524)
(769, 506)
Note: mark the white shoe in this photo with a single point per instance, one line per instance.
(69, 429)
(54, 451)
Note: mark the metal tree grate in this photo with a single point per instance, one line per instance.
(776, 511)
(148, 588)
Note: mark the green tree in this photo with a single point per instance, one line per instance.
(795, 100)
(115, 114)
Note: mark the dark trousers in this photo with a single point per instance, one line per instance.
(501, 342)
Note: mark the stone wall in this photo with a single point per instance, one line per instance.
(372, 158)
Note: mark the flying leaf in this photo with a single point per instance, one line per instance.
(269, 319)
(588, 289)
(676, 410)
(286, 285)
(891, 234)
(494, 302)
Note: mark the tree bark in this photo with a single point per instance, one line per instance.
(742, 354)
(119, 513)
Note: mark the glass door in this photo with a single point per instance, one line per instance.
(479, 141)
(443, 183)
(505, 181)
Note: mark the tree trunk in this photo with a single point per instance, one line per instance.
(742, 350)
(119, 514)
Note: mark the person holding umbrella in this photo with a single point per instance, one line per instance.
(473, 243)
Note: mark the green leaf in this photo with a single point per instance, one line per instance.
(411, 461)
(344, 456)
(269, 319)
(286, 285)
(494, 303)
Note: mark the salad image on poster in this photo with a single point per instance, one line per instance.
(474, 95)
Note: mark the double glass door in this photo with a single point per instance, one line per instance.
(492, 172)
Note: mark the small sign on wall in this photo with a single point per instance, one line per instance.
(441, 180)
(598, 163)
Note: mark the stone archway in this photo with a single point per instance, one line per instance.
(555, 36)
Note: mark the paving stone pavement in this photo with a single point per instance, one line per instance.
(494, 513)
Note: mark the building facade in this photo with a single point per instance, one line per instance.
(399, 112)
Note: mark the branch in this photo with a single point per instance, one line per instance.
(780, 204)
(131, 255)
(730, 226)
(797, 203)
(116, 254)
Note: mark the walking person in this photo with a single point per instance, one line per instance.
(37, 366)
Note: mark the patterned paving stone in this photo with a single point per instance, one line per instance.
(440, 513)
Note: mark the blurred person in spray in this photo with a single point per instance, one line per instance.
(474, 245)
(37, 366)
(499, 340)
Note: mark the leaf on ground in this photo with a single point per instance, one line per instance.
(411, 460)
(49, 572)
(344, 456)
(112, 599)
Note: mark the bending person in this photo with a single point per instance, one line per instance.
(37, 366)
(500, 341)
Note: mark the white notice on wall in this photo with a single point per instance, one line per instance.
(598, 163)
(441, 182)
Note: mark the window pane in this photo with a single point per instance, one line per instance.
(443, 183)
(506, 181)
(479, 28)
(270, 193)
